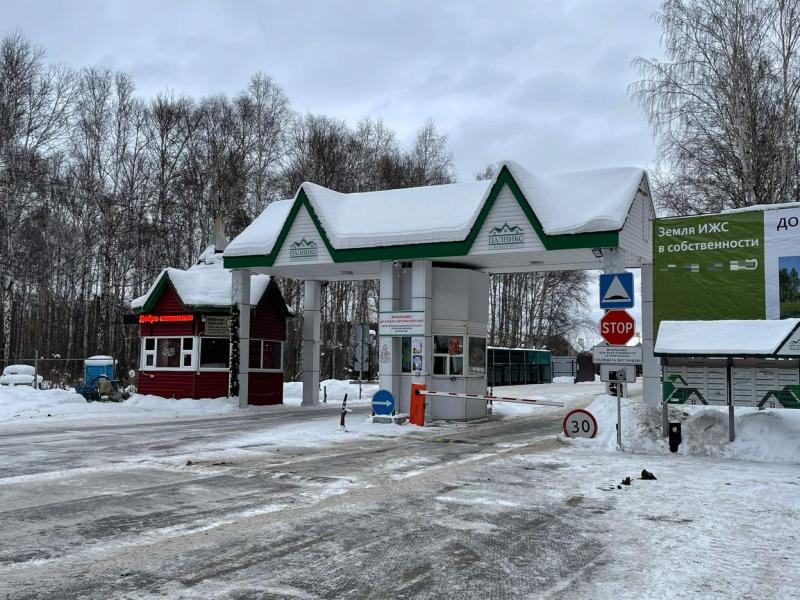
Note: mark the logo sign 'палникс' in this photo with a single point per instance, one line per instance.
(303, 250)
(507, 236)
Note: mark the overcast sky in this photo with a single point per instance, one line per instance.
(540, 82)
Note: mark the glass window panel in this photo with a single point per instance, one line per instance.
(272, 355)
(168, 351)
(477, 356)
(456, 365)
(187, 360)
(188, 343)
(149, 360)
(255, 354)
(406, 362)
(150, 343)
(214, 353)
(440, 344)
(440, 365)
(455, 345)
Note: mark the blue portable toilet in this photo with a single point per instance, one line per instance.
(94, 367)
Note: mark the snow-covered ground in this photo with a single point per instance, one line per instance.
(25, 403)
(503, 508)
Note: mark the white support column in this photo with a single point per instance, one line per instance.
(311, 342)
(651, 366)
(389, 348)
(240, 293)
(422, 300)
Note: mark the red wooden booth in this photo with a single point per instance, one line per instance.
(184, 328)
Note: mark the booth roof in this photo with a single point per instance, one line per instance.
(207, 283)
(723, 338)
(568, 203)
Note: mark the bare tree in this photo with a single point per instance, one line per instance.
(724, 103)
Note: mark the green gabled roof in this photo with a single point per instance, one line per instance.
(604, 239)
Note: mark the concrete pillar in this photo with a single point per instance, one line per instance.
(311, 342)
(240, 295)
(389, 347)
(651, 366)
(422, 300)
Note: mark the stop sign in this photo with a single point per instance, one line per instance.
(617, 327)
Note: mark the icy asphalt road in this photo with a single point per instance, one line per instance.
(485, 511)
(116, 511)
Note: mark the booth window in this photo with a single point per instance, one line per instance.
(214, 353)
(477, 356)
(448, 355)
(167, 353)
(266, 355)
(405, 344)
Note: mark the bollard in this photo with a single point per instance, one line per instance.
(344, 412)
(325, 394)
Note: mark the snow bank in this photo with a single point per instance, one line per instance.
(24, 402)
(336, 389)
(563, 380)
(768, 436)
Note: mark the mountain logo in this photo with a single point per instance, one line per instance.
(507, 236)
(303, 250)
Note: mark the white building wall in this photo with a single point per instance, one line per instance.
(506, 209)
(303, 228)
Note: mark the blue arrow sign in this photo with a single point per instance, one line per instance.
(383, 403)
(616, 290)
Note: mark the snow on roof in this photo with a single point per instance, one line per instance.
(567, 203)
(723, 338)
(436, 213)
(207, 283)
(579, 201)
(760, 207)
(260, 236)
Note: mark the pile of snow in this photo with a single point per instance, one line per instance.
(771, 435)
(24, 402)
(335, 388)
(563, 380)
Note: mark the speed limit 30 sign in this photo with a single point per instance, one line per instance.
(580, 423)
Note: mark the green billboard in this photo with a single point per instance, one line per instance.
(709, 267)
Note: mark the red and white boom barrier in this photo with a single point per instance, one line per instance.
(493, 398)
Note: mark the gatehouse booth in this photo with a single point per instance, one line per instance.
(432, 250)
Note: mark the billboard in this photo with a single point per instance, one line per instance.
(739, 265)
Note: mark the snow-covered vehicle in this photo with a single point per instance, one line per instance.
(20, 375)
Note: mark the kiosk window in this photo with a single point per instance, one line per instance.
(214, 353)
(167, 353)
(405, 344)
(448, 355)
(477, 356)
(266, 355)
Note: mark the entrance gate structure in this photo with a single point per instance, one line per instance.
(432, 249)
